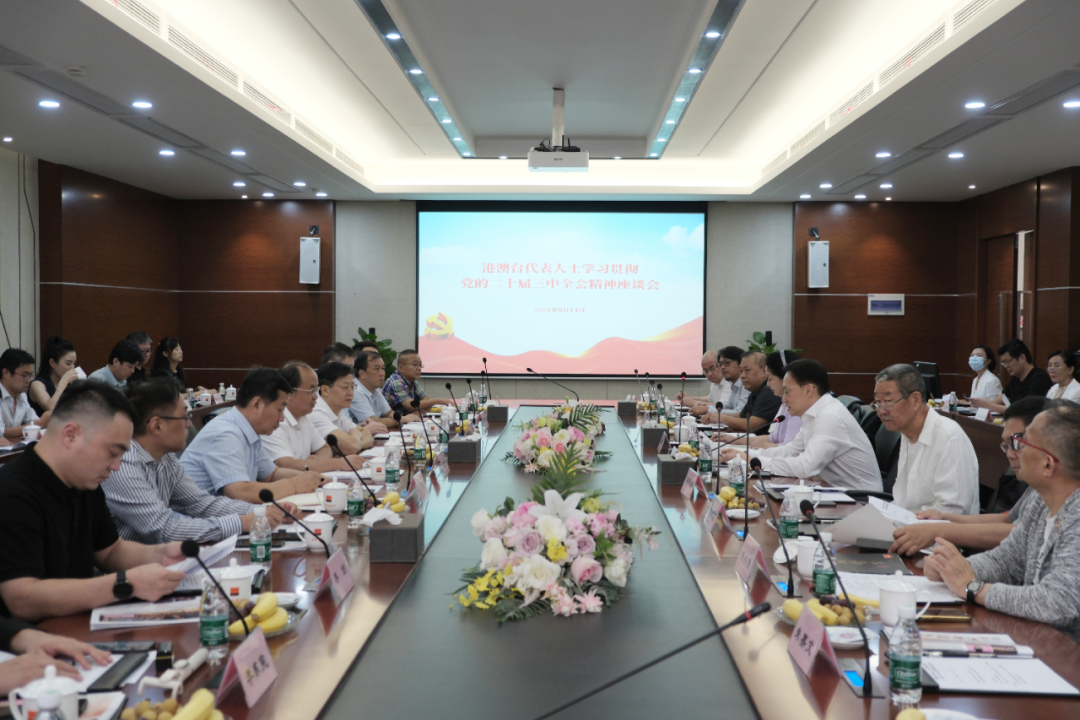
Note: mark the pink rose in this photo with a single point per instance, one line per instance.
(521, 516)
(583, 544)
(529, 543)
(543, 437)
(598, 523)
(494, 528)
(574, 526)
(612, 515)
(585, 569)
(560, 447)
(576, 435)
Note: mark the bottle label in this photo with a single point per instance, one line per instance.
(904, 673)
(391, 476)
(694, 443)
(705, 464)
(789, 527)
(463, 415)
(355, 508)
(737, 483)
(418, 453)
(824, 582)
(260, 550)
(443, 438)
(213, 631)
(483, 399)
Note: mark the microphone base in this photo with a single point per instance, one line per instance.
(781, 585)
(497, 413)
(854, 672)
(627, 408)
(463, 451)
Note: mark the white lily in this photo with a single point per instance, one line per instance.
(555, 505)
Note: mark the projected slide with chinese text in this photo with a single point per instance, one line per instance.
(565, 293)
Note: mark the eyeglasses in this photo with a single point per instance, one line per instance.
(1007, 362)
(888, 404)
(24, 375)
(412, 364)
(788, 390)
(312, 392)
(343, 387)
(186, 417)
(1018, 439)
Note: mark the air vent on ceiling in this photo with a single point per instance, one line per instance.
(196, 53)
(967, 13)
(808, 138)
(839, 113)
(272, 107)
(349, 161)
(927, 44)
(775, 163)
(307, 131)
(1036, 94)
(159, 131)
(146, 17)
(14, 59)
(853, 184)
(961, 132)
(74, 89)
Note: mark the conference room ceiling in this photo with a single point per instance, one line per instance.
(798, 94)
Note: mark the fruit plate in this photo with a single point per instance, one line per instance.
(945, 714)
(738, 514)
(290, 625)
(843, 637)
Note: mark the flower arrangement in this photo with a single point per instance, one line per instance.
(568, 554)
(561, 443)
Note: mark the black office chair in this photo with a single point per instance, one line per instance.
(849, 401)
(887, 449)
(868, 420)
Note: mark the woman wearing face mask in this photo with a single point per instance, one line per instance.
(1062, 369)
(986, 383)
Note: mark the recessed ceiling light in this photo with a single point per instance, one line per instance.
(8, 139)
(1071, 104)
(825, 186)
(712, 34)
(393, 36)
(975, 105)
(804, 196)
(433, 99)
(884, 154)
(457, 139)
(888, 198)
(49, 104)
(268, 194)
(617, 157)
(166, 153)
(239, 183)
(860, 197)
(320, 194)
(243, 197)
(467, 154)
(653, 154)
(238, 153)
(142, 104)
(670, 122)
(502, 157)
(680, 99)
(447, 120)
(971, 187)
(886, 186)
(956, 155)
(694, 71)
(661, 139)
(416, 71)
(299, 183)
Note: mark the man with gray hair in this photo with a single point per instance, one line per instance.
(1035, 572)
(938, 467)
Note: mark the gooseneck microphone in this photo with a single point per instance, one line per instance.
(756, 465)
(682, 398)
(190, 548)
(743, 617)
(332, 441)
(807, 509)
(638, 378)
(404, 451)
(267, 495)
(452, 398)
(552, 381)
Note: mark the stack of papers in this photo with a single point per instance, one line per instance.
(138, 615)
(950, 644)
(874, 521)
(210, 556)
(866, 585)
(987, 675)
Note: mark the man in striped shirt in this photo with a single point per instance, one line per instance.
(151, 498)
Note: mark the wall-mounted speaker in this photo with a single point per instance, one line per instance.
(819, 264)
(309, 260)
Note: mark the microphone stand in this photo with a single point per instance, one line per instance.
(638, 378)
(682, 399)
(776, 523)
(867, 690)
(405, 452)
(746, 483)
(190, 548)
(423, 425)
(332, 441)
(487, 378)
(576, 396)
(454, 400)
(746, 616)
(267, 495)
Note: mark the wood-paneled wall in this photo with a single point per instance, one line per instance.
(222, 276)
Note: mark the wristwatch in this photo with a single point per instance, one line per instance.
(122, 589)
(973, 589)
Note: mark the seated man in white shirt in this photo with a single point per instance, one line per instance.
(732, 392)
(368, 403)
(296, 444)
(331, 413)
(830, 445)
(16, 372)
(718, 386)
(938, 468)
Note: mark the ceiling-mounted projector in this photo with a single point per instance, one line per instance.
(558, 155)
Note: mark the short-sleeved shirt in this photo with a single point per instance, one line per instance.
(368, 403)
(761, 404)
(294, 437)
(227, 450)
(104, 375)
(326, 422)
(48, 530)
(15, 410)
(398, 391)
(1037, 384)
(50, 389)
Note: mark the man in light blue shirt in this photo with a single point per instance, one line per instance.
(227, 457)
(368, 402)
(122, 361)
(16, 370)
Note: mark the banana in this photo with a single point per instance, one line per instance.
(198, 707)
(398, 507)
(793, 609)
(216, 715)
(237, 628)
(822, 613)
(264, 607)
(390, 498)
(275, 621)
(863, 602)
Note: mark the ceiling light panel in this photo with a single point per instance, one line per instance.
(707, 46)
(379, 17)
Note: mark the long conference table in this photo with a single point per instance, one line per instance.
(400, 646)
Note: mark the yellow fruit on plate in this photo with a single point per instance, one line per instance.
(793, 609)
(198, 707)
(275, 621)
(726, 493)
(398, 507)
(911, 714)
(685, 448)
(824, 614)
(390, 498)
(862, 602)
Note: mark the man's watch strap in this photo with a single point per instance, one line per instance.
(973, 589)
(122, 588)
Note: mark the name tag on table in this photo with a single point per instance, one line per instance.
(336, 578)
(751, 558)
(692, 479)
(252, 666)
(712, 513)
(809, 640)
(418, 487)
(982, 414)
(663, 443)
(443, 463)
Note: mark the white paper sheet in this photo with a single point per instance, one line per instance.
(866, 585)
(210, 555)
(992, 675)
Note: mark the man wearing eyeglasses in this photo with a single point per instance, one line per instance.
(985, 531)
(1035, 572)
(938, 468)
(16, 372)
(401, 389)
(720, 387)
(150, 497)
(296, 444)
(1027, 380)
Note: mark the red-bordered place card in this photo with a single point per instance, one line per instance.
(443, 463)
(712, 513)
(419, 487)
(663, 443)
(692, 479)
(808, 640)
(750, 558)
(336, 577)
(252, 666)
(724, 516)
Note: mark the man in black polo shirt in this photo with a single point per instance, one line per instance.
(55, 527)
(762, 405)
(1027, 380)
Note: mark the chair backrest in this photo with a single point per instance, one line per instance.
(849, 401)
(868, 420)
(887, 449)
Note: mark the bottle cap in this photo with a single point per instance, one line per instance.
(260, 511)
(826, 538)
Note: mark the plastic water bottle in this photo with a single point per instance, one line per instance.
(905, 660)
(419, 451)
(953, 402)
(789, 517)
(259, 539)
(356, 506)
(214, 622)
(483, 394)
(705, 457)
(736, 477)
(824, 581)
(393, 472)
